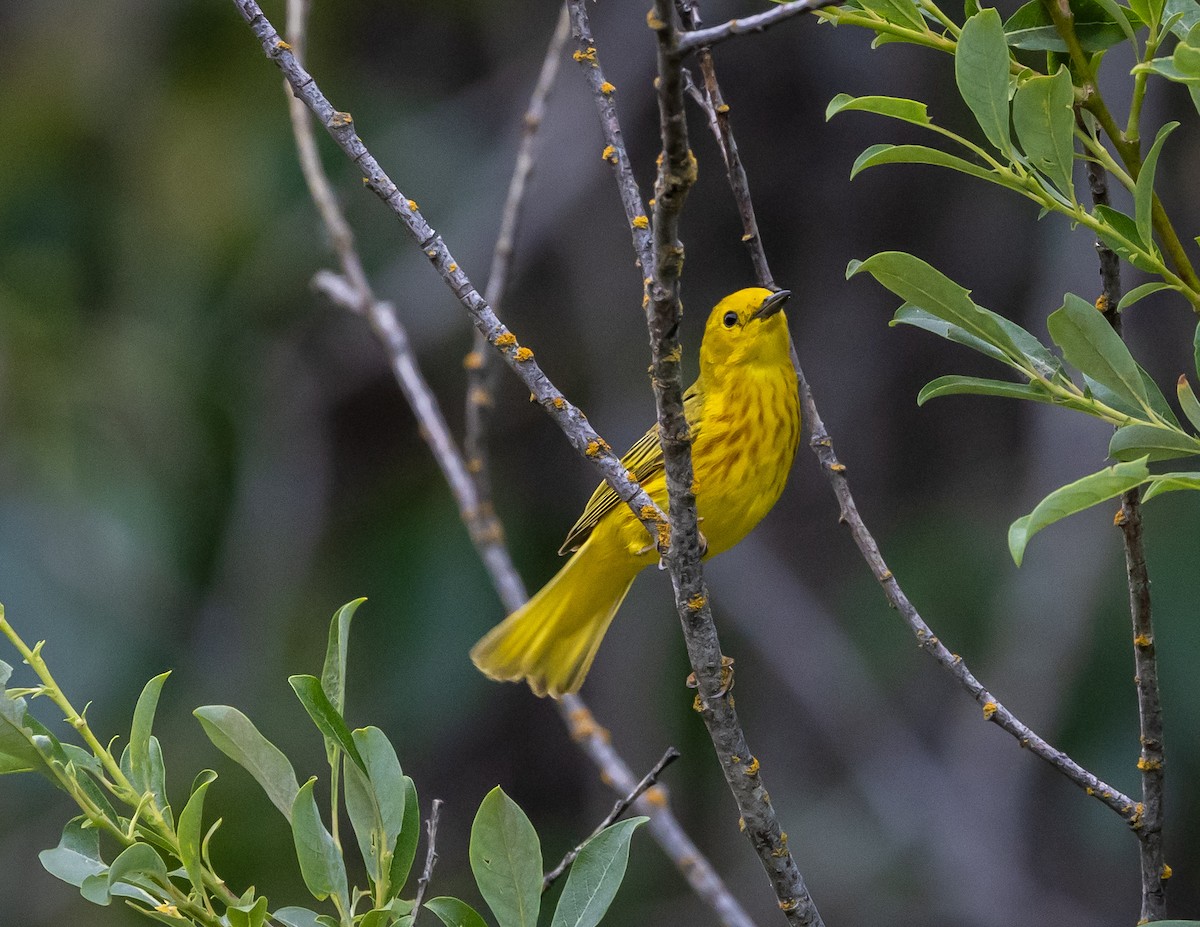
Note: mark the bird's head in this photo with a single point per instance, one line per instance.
(746, 328)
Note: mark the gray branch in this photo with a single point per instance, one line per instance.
(697, 38)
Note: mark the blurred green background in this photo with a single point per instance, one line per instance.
(200, 460)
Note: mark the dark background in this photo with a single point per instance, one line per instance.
(200, 460)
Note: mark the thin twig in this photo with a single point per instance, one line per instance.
(822, 445)
(618, 809)
(1149, 825)
(691, 40)
(483, 525)
(482, 370)
(431, 859)
(676, 174)
(569, 418)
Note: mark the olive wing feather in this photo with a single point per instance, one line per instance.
(643, 460)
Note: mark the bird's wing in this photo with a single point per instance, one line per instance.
(643, 460)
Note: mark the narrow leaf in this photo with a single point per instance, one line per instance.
(333, 675)
(1158, 402)
(191, 830)
(139, 734)
(958, 385)
(919, 154)
(1135, 441)
(236, 736)
(981, 72)
(1044, 117)
(1143, 190)
(327, 718)
(1170, 482)
(595, 876)
(1075, 497)
(898, 108)
(923, 286)
(455, 913)
(375, 802)
(506, 859)
(1141, 292)
(405, 850)
(1089, 343)
(320, 861)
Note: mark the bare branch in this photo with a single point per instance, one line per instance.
(822, 445)
(677, 173)
(689, 41)
(431, 859)
(618, 809)
(519, 358)
(481, 369)
(1149, 824)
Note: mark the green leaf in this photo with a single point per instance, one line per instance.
(1032, 29)
(380, 917)
(596, 875)
(918, 283)
(1158, 402)
(327, 718)
(1170, 482)
(139, 734)
(1196, 350)
(1188, 401)
(1188, 13)
(908, 314)
(333, 675)
(1089, 343)
(295, 917)
(919, 154)
(138, 865)
(981, 72)
(320, 861)
(16, 734)
(455, 913)
(191, 832)
(1141, 292)
(906, 110)
(958, 385)
(1148, 11)
(1118, 15)
(248, 915)
(1075, 497)
(77, 855)
(375, 802)
(405, 850)
(507, 861)
(898, 12)
(1134, 441)
(1143, 190)
(236, 736)
(1116, 224)
(1044, 117)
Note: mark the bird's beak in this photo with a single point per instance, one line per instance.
(772, 304)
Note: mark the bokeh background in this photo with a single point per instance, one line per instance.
(200, 460)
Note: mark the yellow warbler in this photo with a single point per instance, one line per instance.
(744, 415)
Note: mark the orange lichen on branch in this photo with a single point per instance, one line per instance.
(751, 767)
(412, 204)
(523, 355)
(782, 849)
(588, 55)
(583, 726)
(1145, 764)
(1119, 518)
(559, 403)
(339, 119)
(1142, 641)
(606, 88)
(505, 340)
(1166, 872)
(609, 154)
(641, 222)
(989, 710)
(283, 46)
(697, 602)
(596, 446)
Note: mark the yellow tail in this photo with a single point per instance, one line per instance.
(552, 639)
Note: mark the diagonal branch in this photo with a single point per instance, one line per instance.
(352, 290)
(822, 445)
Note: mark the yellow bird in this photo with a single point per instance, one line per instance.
(744, 414)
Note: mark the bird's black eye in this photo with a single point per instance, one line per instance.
(731, 319)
